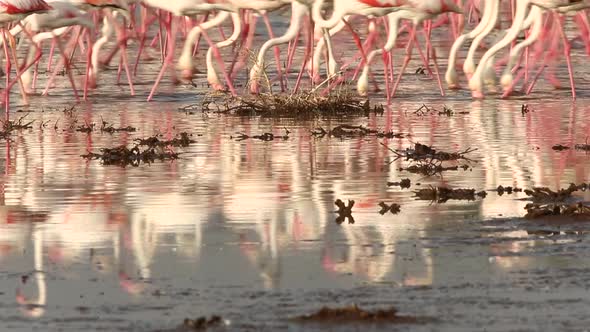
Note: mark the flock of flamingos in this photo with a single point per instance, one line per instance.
(90, 24)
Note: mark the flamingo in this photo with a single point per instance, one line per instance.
(476, 82)
(11, 11)
(485, 26)
(417, 16)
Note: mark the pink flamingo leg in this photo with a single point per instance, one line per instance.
(567, 52)
(406, 60)
(171, 31)
(8, 68)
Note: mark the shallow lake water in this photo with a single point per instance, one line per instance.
(246, 229)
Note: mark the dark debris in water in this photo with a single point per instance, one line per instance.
(575, 210)
(9, 126)
(86, 128)
(304, 105)
(393, 208)
(544, 194)
(446, 111)
(202, 323)
(109, 128)
(349, 131)
(431, 168)
(181, 140)
(559, 147)
(404, 184)
(442, 194)
(425, 152)
(354, 314)
(525, 109)
(123, 156)
(501, 190)
(344, 211)
(263, 137)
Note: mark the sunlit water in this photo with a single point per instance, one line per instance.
(246, 229)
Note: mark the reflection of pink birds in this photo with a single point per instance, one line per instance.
(16, 10)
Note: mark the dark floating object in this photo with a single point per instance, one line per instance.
(86, 128)
(525, 109)
(303, 105)
(354, 314)
(404, 184)
(559, 147)
(508, 190)
(9, 126)
(576, 210)
(441, 194)
(583, 147)
(182, 140)
(393, 208)
(429, 160)
(545, 194)
(425, 168)
(202, 323)
(344, 211)
(156, 150)
(109, 128)
(123, 156)
(349, 131)
(422, 152)
(446, 111)
(267, 137)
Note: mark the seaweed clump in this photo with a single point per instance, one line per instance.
(394, 208)
(442, 195)
(123, 156)
(344, 211)
(303, 105)
(350, 131)
(202, 323)
(181, 140)
(501, 190)
(576, 210)
(354, 314)
(544, 194)
(429, 161)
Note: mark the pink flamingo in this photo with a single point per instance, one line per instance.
(476, 82)
(11, 11)
(417, 16)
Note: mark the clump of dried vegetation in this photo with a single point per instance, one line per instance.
(446, 111)
(123, 156)
(501, 190)
(574, 210)
(442, 194)
(202, 323)
(354, 314)
(393, 208)
(544, 194)
(429, 161)
(549, 203)
(344, 211)
(302, 105)
(155, 150)
(9, 126)
(266, 137)
(350, 131)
